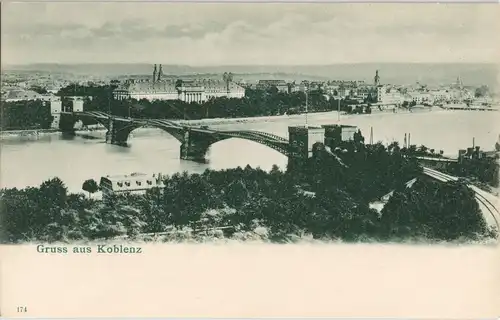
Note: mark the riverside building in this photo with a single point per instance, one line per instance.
(158, 88)
(133, 183)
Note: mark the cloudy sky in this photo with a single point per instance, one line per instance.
(225, 34)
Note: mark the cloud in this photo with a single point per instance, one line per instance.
(248, 33)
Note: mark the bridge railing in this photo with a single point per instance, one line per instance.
(277, 145)
(443, 159)
(266, 134)
(257, 134)
(163, 122)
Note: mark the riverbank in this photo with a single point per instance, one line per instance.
(26, 133)
(331, 114)
(36, 133)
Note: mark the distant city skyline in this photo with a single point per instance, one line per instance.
(241, 34)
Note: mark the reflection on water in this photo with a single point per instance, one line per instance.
(74, 159)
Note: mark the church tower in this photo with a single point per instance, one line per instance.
(160, 73)
(154, 74)
(376, 79)
(459, 82)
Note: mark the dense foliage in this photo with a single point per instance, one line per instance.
(21, 115)
(328, 200)
(433, 210)
(484, 170)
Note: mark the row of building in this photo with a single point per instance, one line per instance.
(196, 90)
(376, 92)
(394, 95)
(20, 94)
(335, 87)
(421, 95)
(158, 87)
(52, 82)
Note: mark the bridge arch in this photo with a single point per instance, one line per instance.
(280, 148)
(195, 141)
(245, 152)
(273, 142)
(68, 121)
(103, 122)
(121, 132)
(199, 138)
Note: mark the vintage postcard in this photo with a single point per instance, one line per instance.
(249, 160)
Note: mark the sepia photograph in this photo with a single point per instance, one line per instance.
(349, 141)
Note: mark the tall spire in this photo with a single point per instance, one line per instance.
(377, 78)
(160, 73)
(154, 74)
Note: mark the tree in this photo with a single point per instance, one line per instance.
(54, 192)
(19, 115)
(90, 186)
(423, 150)
(39, 89)
(482, 91)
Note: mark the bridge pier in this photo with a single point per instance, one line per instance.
(193, 148)
(67, 124)
(116, 133)
(109, 133)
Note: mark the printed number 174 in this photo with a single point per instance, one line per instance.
(22, 309)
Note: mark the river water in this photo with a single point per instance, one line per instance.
(28, 162)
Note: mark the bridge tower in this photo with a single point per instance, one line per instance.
(336, 135)
(63, 119)
(110, 134)
(193, 146)
(55, 111)
(118, 131)
(302, 139)
(77, 105)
